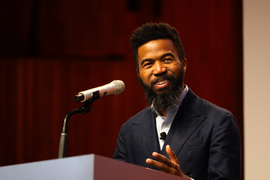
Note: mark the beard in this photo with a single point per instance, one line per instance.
(162, 101)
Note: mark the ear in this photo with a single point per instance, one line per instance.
(184, 62)
(138, 74)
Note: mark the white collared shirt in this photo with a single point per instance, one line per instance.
(164, 124)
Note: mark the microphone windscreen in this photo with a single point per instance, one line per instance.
(120, 86)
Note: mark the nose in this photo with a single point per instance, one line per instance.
(159, 68)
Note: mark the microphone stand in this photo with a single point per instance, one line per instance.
(83, 109)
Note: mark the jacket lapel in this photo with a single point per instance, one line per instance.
(186, 121)
(145, 128)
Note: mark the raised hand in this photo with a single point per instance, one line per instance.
(170, 166)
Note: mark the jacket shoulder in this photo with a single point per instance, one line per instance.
(139, 118)
(202, 106)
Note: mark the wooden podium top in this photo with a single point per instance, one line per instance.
(85, 167)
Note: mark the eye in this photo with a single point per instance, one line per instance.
(147, 64)
(167, 59)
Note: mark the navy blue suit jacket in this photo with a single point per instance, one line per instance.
(204, 137)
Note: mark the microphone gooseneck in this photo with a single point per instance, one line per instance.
(87, 98)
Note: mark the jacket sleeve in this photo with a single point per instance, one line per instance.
(225, 150)
(120, 152)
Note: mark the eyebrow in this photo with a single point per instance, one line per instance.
(167, 54)
(163, 56)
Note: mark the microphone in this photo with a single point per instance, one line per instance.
(163, 136)
(115, 87)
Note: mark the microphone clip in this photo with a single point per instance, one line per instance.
(163, 136)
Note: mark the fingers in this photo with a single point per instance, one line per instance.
(172, 162)
(160, 165)
(163, 159)
(151, 169)
(164, 164)
(171, 165)
(171, 154)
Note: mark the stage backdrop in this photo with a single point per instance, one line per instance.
(51, 49)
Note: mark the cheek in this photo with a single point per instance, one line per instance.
(146, 78)
(176, 69)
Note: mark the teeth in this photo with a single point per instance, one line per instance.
(162, 82)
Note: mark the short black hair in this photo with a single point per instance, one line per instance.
(153, 31)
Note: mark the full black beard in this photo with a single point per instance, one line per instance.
(164, 100)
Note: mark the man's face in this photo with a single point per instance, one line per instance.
(158, 64)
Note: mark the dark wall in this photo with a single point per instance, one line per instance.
(52, 49)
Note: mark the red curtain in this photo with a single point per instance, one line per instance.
(51, 50)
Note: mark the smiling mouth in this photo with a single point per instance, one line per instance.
(161, 84)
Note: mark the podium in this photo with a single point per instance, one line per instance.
(85, 167)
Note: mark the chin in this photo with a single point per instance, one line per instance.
(162, 90)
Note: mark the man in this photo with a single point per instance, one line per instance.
(178, 127)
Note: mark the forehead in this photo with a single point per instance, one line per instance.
(155, 49)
